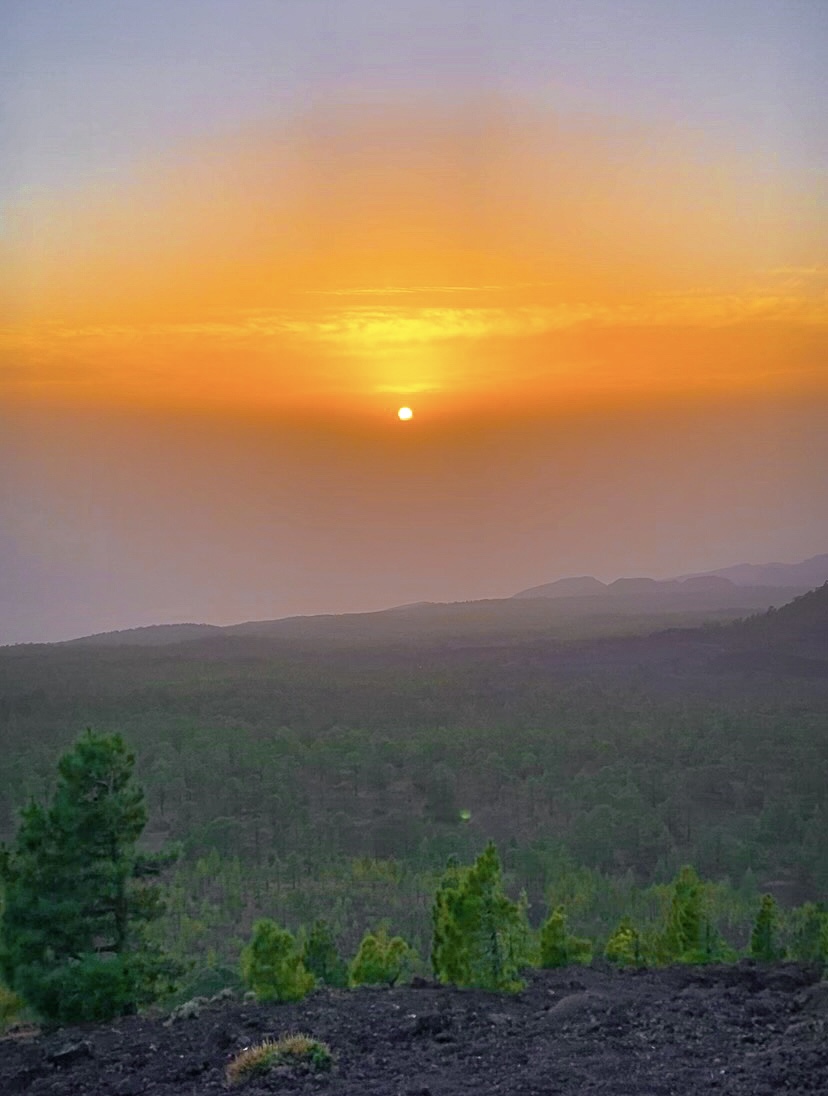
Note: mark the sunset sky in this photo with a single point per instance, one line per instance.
(584, 240)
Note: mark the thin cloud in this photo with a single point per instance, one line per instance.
(384, 325)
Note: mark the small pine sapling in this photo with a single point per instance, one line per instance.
(688, 934)
(624, 947)
(381, 959)
(764, 939)
(321, 957)
(271, 964)
(480, 937)
(808, 934)
(557, 947)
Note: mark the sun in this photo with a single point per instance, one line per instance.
(405, 413)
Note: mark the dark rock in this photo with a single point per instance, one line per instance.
(70, 1053)
(430, 1023)
(789, 977)
(813, 999)
(731, 1031)
(575, 1004)
(222, 1037)
(23, 1081)
(129, 1086)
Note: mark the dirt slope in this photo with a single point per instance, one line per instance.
(728, 1030)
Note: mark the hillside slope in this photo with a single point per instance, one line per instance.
(627, 607)
(738, 1031)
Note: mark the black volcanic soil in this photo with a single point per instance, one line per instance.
(728, 1030)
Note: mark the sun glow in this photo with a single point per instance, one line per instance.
(405, 413)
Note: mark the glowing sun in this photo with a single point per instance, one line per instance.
(405, 413)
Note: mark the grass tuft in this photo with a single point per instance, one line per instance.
(295, 1049)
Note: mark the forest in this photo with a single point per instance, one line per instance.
(317, 779)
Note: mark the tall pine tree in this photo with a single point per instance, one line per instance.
(480, 937)
(73, 938)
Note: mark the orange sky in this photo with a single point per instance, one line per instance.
(364, 258)
(597, 273)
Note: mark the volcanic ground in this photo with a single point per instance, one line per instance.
(740, 1030)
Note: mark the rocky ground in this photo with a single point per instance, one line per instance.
(734, 1031)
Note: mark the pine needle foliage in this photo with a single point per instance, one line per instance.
(272, 966)
(557, 947)
(11, 1007)
(808, 939)
(77, 901)
(688, 934)
(480, 937)
(625, 947)
(381, 959)
(764, 940)
(321, 957)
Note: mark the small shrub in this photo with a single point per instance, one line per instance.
(290, 1050)
(480, 937)
(272, 965)
(809, 933)
(381, 959)
(88, 991)
(11, 1007)
(188, 1010)
(557, 947)
(321, 957)
(207, 981)
(624, 947)
(298, 1048)
(764, 943)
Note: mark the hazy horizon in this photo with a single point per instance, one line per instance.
(606, 578)
(586, 246)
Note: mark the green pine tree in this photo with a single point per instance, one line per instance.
(321, 957)
(764, 942)
(683, 931)
(77, 901)
(557, 947)
(808, 940)
(624, 947)
(271, 964)
(381, 959)
(480, 937)
(688, 935)
(553, 940)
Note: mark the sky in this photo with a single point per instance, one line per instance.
(585, 241)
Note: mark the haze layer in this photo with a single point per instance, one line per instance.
(586, 247)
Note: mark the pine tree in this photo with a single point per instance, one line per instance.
(557, 947)
(381, 959)
(764, 944)
(809, 933)
(683, 933)
(480, 937)
(77, 904)
(321, 957)
(553, 940)
(689, 936)
(624, 946)
(271, 964)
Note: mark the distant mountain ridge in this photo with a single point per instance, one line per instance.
(811, 572)
(567, 608)
(806, 575)
(587, 586)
